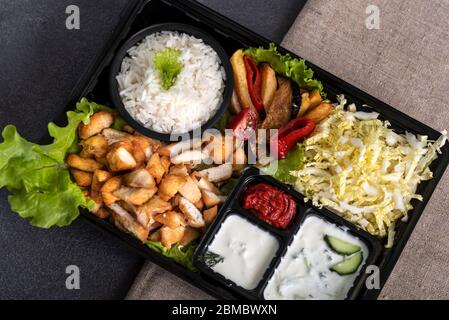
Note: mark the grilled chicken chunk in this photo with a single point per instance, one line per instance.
(210, 214)
(193, 215)
(83, 164)
(174, 149)
(146, 212)
(136, 196)
(211, 199)
(155, 167)
(190, 234)
(124, 220)
(171, 236)
(96, 146)
(139, 178)
(113, 136)
(120, 158)
(98, 121)
(171, 219)
(108, 188)
(82, 178)
(190, 190)
(170, 185)
(219, 173)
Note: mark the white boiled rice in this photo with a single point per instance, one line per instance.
(190, 102)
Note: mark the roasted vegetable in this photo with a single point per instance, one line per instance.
(320, 113)
(269, 84)
(240, 82)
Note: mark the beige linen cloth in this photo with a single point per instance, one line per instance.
(406, 64)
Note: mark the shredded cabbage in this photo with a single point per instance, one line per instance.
(358, 167)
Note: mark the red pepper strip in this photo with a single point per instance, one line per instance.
(254, 81)
(289, 135)
(244, 124)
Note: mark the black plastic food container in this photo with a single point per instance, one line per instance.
(140, 14)
(285, 237)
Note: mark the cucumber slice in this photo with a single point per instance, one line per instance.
(341, 246)
(349, 265)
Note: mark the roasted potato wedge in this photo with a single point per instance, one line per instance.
(269, 84)
(97, 122)
(240, 82)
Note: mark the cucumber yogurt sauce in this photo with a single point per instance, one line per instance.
(317, 264)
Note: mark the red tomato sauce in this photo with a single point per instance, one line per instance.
(270, 204)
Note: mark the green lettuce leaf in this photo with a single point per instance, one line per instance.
(280, 169)
(292, 68)
(181, 254)
(37, 175)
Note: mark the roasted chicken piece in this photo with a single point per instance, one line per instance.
(155, 167)
(221, 149)
(97, 122)
(170, 185)
(120, 157)
(171, 236)
(135, 196)
(239, 160)
(210, 214)
(174, 149)
(145, 144)
(146, 212)
(124, 220)
(203, 182)
(190, 156)
(179, 170)
(99, 178)
(193, 215)
(102, 213)
(190, 190)
(190, 234)
(211, 199)
(113, 136)
(83, 164)
(139, 178)
(82, 178)
(218, 174)
(108, 188)
(96, 146)
(309, 101)
(171, 219)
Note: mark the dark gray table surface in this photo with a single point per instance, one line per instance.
(40, 63)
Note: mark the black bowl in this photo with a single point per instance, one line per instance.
(182, 28)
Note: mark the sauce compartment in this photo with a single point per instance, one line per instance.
(336, 227)
(224, 240)
(233, 206)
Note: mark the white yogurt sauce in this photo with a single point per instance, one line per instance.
(304, 273)
(246, 249)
